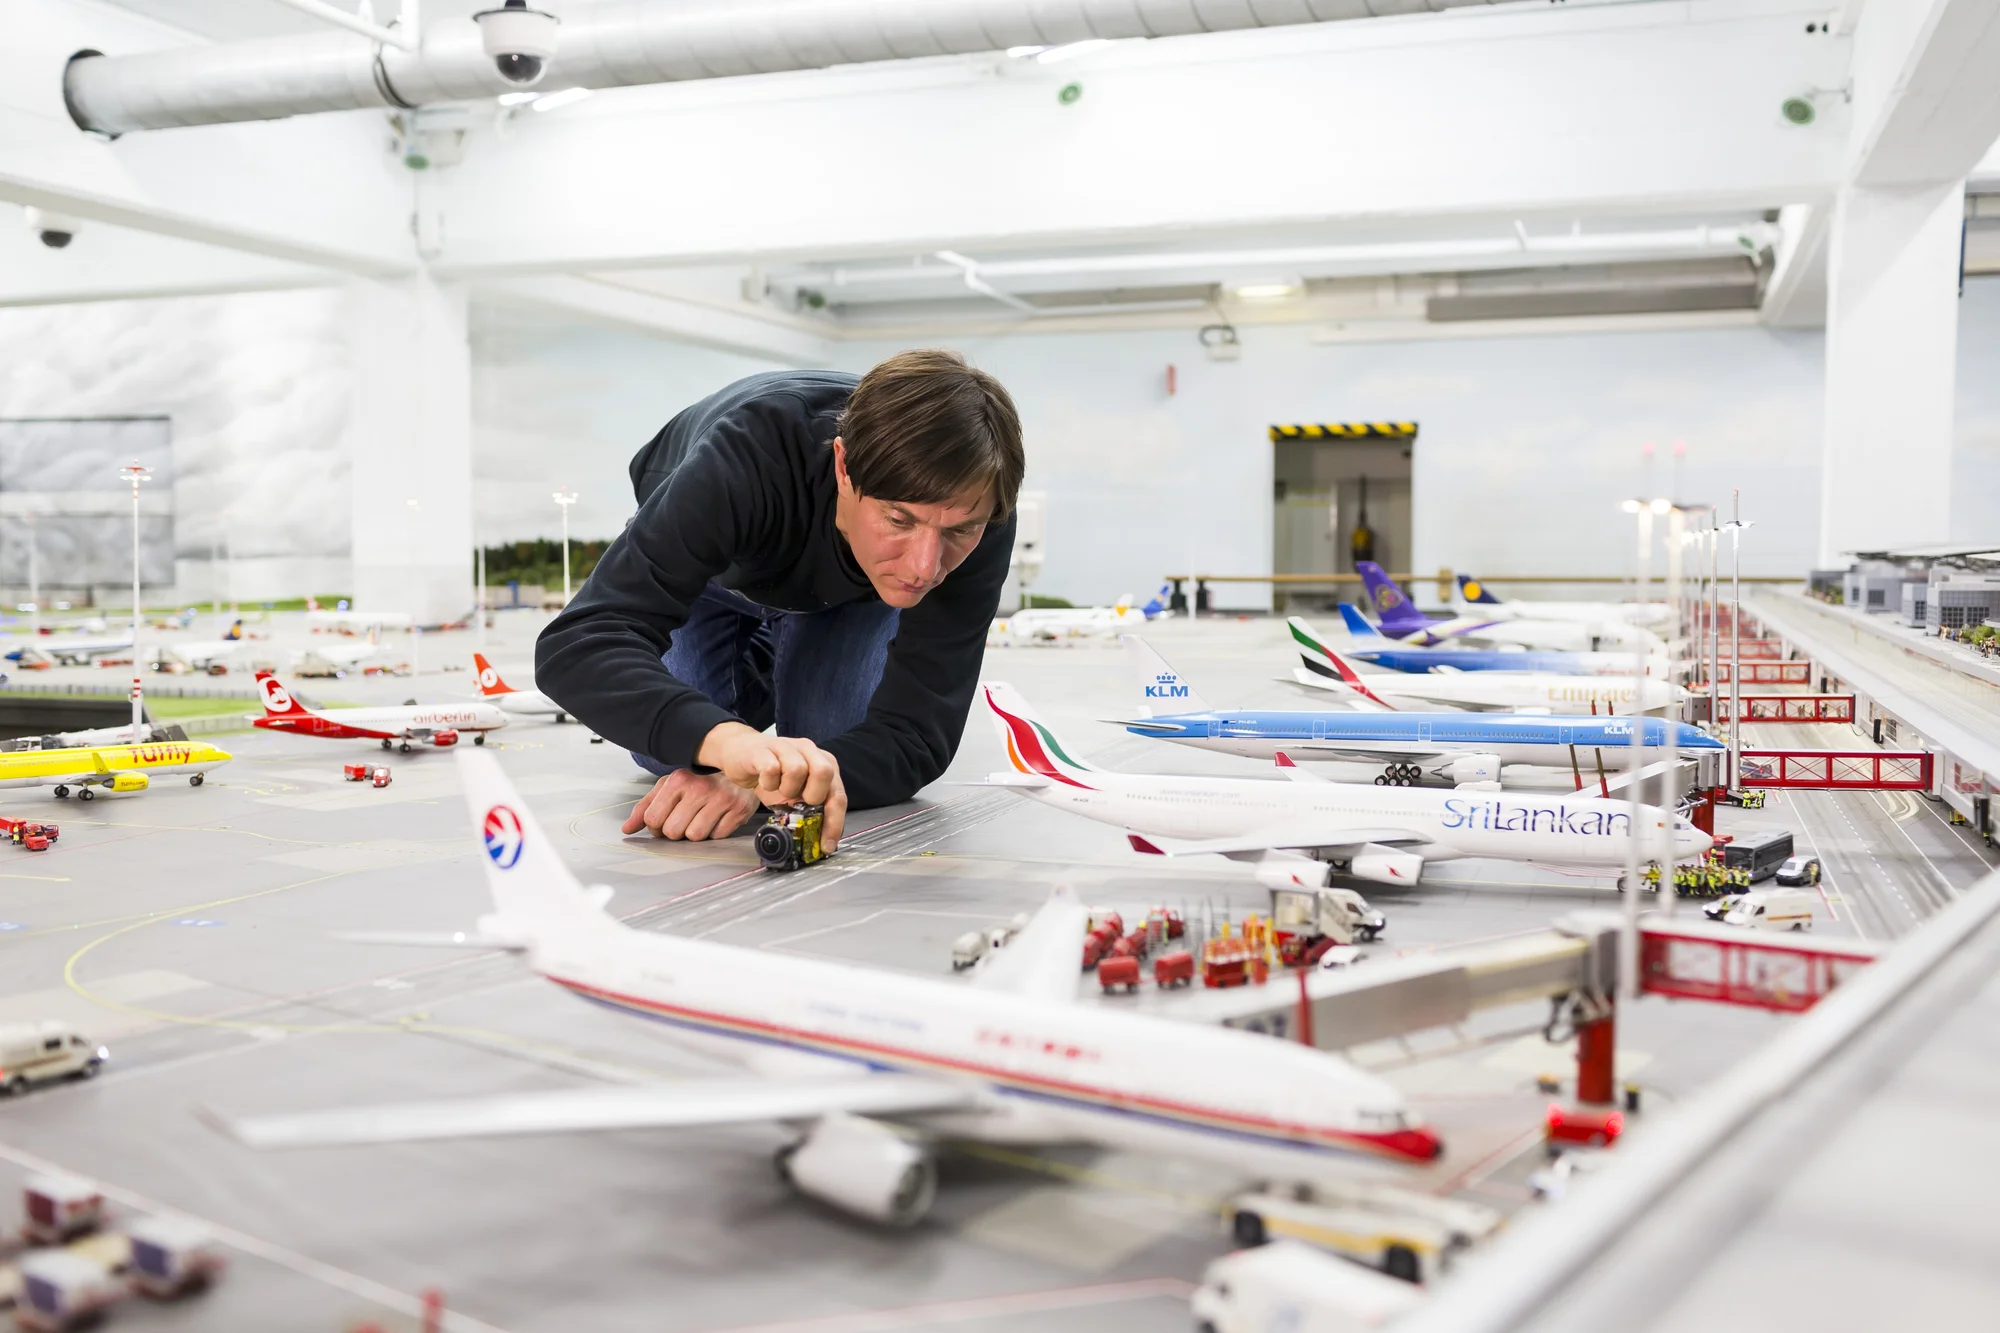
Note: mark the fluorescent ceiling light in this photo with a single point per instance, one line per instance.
(1071, 50)
(1265, 291)
(560, 98)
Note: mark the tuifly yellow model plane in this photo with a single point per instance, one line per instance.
(119, 768)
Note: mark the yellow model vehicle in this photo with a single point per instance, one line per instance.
(789, 839)
(116, 768)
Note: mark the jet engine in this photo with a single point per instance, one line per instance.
(862, 1168)
(444, 736)
(1386, 865)
(1289, 870)
(128, 782)
(1481, 771)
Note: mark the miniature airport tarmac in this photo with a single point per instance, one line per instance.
(193, 932)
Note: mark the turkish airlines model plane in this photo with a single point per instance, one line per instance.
(407, 724)
(1303, 830)
(525, 703)
(871, 1066)
(1478, 691)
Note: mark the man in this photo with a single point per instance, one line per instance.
(811, 550)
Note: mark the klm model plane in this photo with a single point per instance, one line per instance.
(1371, 646)
(1461, 748)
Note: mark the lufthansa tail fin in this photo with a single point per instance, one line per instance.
(1161, 688)
(534, 893)
(1475, 592)
(490, 683)
(1031, 746)
(234, 632)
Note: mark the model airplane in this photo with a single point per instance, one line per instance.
(1403, 622)
(46, 652)
(1302, 831)
(318, 618)
(335, 657)
(407, 725)
(1478, 691)
(873, 1066)
(1465, 749)
(1050, 624)
(114, 768)
(1369, 646)
(524, 703)
(203, 655)
(1471, 597)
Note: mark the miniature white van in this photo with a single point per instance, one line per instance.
(1773, 909)
(32, 1053)
(1294, 1287)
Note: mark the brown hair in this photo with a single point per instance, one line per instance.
(925, 427)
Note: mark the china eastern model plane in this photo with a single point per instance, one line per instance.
(1384, 834)
(524, 703)
(111, 768)
(1370, 646)
(1506, 691)
(869, 1068)
(1473, 598)
(407, 725)
(1459, 748)
(1400, 620)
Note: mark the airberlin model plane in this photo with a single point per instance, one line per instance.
(869, 1068)
(525, 703)
(1301, 831)
(409, 724)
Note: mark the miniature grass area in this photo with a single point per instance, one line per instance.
(166, 708)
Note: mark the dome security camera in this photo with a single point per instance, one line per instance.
(52, 229)
(520, 40)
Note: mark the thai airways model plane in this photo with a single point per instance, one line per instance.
(1465, 749)
(1323, 669)
(1403, 622)
(524, 703)
(1473, 598)
(111, 768)
(870, 1067)
(1371, 647)
(407, 725)
(1384, 834)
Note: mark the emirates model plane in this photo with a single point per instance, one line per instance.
(1477, 691)
(523, 703)
(407, 725)
(870, 1067)
(1304, 830)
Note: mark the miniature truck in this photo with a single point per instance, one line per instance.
(58, 1209)
(62, 1290)
(28, 833)
(1308, 922)
(378, 774)
(1400, 1232)
(172, 1256)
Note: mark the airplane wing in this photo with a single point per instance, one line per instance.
(1024, 781)
(576, 1110)
(1044, 961)
(1364, 753)
(1295, 837)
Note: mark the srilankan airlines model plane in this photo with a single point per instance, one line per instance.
(418, 724)
(1403, 622)
(1473, 598)
(1371, 647)
(869, 1067)
(1478, 691)
(1384, 834)
(1461, 748)
(525, 703)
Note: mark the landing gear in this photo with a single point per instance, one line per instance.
(561, 718)
(195, 779)
(479, 738)
(1247, 1229)
(61, 792)
(406, 746)
(85, 794)
(1400, 775)
(386, 743)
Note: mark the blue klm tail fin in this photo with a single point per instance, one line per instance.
(1357, 625)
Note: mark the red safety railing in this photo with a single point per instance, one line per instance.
(1728, 965)
(1791, 708)
(1766, 673)
(1837, 770)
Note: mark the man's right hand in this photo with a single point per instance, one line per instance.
(695, 806)
(779, 770)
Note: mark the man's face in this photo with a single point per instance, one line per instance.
(906, 549)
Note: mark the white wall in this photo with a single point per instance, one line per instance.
(1975, 463)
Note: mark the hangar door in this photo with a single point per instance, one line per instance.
(1340, 492)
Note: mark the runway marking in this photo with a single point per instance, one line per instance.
(981, 1307)
(340, 1279)
(46, 879)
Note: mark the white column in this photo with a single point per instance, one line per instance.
(1891, 349)
(409, 435)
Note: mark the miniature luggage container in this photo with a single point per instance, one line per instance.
(172, 1256)
(1173, 969)
(60, 1290)
(59, 1209)
(1122, 970)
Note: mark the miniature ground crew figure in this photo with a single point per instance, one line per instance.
(812, 550)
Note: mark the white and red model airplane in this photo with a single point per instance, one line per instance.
(318, 618)
(407, 724)
(871, 1067)
(526, 703)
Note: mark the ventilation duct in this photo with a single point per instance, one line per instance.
(619, 43)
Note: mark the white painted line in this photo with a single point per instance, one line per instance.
(954, 1312)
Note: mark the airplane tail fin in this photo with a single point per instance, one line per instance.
(1160, 686)
(234, 632)
(1399, 616)
(533, 891)
(1475, 592)
(490, 683)
(1357, 624)
(1322, 661)
(1031, 746)
(278, 701)
(1161, 600)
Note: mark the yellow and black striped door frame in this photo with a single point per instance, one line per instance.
(1346, 430)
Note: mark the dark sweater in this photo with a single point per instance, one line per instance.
(739, 488)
